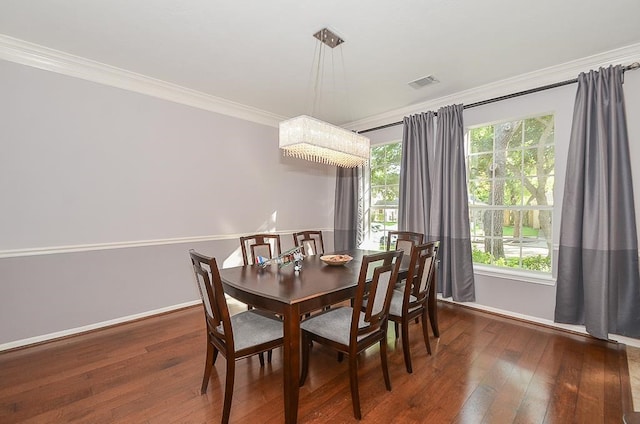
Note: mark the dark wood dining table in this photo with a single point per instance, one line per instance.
(292, 294)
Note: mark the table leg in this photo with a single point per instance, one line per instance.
(291, 365)
(433, 304)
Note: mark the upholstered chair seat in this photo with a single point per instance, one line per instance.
(253, 328)
(351, 330)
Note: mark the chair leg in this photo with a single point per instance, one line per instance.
(425, 331)
(261, 358)
(353, 381)
(306, 344)
(340, 356)
(433, 318)
(269, 355)
(385, 366)
(228, 389)
(212, 353)
(405, 345)
(395, 327)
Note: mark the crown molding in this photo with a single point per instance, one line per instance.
(569, 70)
(37, 56)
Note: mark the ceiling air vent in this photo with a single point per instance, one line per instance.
(421, 82)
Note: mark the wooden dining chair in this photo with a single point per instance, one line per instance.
(265, 245)
(235, 337)
(411, 302)
(351, 330)
(310, 241)
(312, 244)
(403, 240)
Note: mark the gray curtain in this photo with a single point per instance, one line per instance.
(415, 184)
(433, 195)
(348, 211)
(598, 282)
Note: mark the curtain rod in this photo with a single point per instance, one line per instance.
(633, 66)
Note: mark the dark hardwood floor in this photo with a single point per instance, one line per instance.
(484, 369)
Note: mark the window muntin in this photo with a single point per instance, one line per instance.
(383, 194)
(510, 171)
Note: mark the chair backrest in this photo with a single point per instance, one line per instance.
(378, 276)
(423, 264)
(215, 306)
(403, 240)
(310, 241)
(265, 245)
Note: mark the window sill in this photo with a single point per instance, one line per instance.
(521, 276)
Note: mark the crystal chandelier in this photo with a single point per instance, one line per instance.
(314, 140)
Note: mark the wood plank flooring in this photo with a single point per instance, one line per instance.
(484, 369)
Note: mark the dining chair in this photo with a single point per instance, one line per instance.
(411, 302)
(403, 240)
(265, 245)
(312, 244)
(351, 330)
(236, 337)
(310, 241)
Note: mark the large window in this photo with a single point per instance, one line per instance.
(384, 187)
(511, 177)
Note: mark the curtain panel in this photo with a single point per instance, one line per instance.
(598, 282)
(348, 218)
(418, 135)
(433, 195)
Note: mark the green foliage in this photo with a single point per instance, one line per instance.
(385, 172)
(480, 257)
(532, 263)
(519, 155)
(537, 263)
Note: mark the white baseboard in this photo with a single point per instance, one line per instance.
(78, 330)
(575, 328)
(96, 326)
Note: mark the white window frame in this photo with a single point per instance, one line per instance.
(491, 269)
(373, 238)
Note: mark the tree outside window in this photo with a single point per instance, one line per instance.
(384, 188)
(511, 178)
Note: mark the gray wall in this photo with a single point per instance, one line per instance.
(104, 191)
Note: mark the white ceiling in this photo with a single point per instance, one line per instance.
(260, 53)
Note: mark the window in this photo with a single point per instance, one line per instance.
(384, 188)
(510, 167)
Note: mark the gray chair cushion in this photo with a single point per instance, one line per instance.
(396, 303)
(334, 324)
(254, 327)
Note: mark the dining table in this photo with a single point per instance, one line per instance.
(292, 294)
